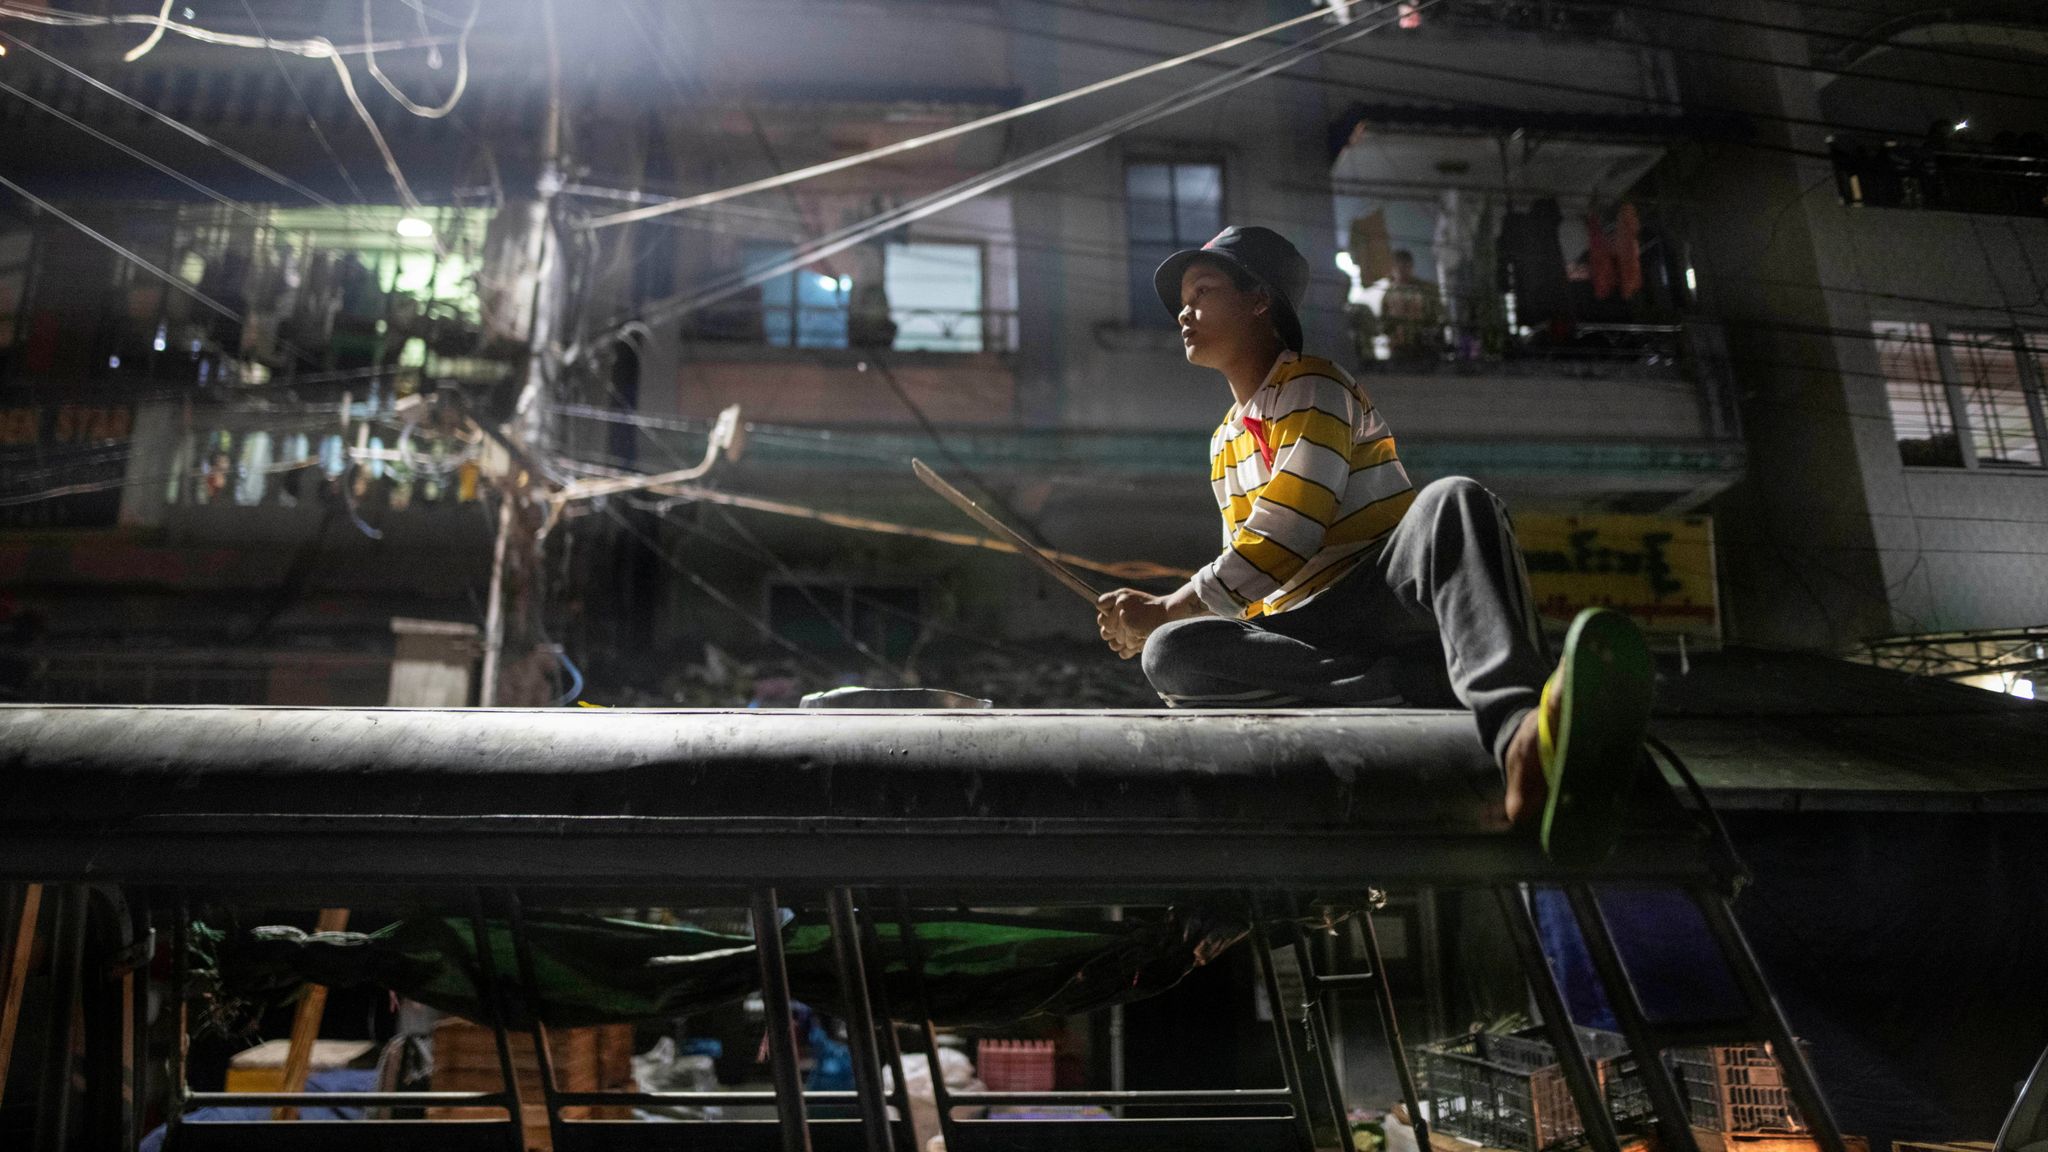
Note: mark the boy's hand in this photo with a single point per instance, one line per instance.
(1127, 616)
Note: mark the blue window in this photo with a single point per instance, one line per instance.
(801, 309)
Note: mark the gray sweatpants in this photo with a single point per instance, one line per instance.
(1439, 615)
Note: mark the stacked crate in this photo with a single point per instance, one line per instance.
(1506, 1090)
(598, 1059)
(1015, 1065)
(1737, 1090)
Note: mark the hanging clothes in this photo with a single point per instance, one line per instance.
(1628, 250)
(1614, 254)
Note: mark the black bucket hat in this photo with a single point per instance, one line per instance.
(1260, 252)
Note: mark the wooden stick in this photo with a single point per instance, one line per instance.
(298, 1060)
(17, 976)
(1025, 548)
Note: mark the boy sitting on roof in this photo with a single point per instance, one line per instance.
(1341, 584)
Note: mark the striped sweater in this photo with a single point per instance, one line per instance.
(1307, 480)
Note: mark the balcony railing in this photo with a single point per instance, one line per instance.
(966, 330)
(1573, 17)
(2009, 178)
(302, 458)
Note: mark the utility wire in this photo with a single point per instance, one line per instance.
(175, 281)
(841, 164)
(299, 97)
(461, 85)
(185, 130)
(975, 186)
(218, 197)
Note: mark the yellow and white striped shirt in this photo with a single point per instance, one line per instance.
(1308, 482)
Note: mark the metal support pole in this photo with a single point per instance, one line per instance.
(892, 1045)
(528, 1005)
(1674, 1123)
(1283, 1036)
(860, 1022)
(789, 1090)
(1315, 1014)
(1390, 1022)
(174, 1078)
(67, 954)
(1557, 1021)
(913, 950)
(1799, 1078)
(494, 1017)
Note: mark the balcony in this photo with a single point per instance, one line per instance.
(815, 365)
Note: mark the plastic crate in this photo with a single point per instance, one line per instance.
(1506, 1090)
(1015, 1065)
(1737, 1090)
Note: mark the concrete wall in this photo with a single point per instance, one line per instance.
(1832, 541)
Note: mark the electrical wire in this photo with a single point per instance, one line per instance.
(435, 111)
(314, 47)
(136, 154)
(134, 258)
(163, 19)
(184, 129)
(1001, 175)
(299, 97)
(783, 179)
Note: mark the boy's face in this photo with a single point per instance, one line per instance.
(1217, 318)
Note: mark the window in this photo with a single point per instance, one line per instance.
(1919, 402)
(2002, 432)
(801, 309)
(1990, 380)
(1169, 207)
(933, 292)
(935, 296)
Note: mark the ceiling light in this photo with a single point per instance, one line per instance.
(414, 228)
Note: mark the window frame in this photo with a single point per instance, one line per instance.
(2029, 348)
(1138, 279)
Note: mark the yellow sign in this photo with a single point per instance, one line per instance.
(1657, 569)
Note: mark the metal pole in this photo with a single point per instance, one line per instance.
(914, 955)
(1674, 1123)
(174, 1079)
(529, 1006)
(1315, 1014)
(1283, 1036)
(67, 947)
(487, 993)
(905, 1132)
(1557, 1021)
(860, 1024)
(1799, 1078)
(494, 607)
(1390, 1022)
(789, 1090)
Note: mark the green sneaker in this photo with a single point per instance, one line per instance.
(1602, 685)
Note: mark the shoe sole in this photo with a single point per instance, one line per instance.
(1605, 714)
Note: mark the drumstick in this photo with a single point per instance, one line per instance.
(1026, 548)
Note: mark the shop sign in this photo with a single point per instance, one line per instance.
(1657, 569)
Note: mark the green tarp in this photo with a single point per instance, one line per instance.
(594, 970)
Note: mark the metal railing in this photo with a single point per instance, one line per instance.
(967, 330)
